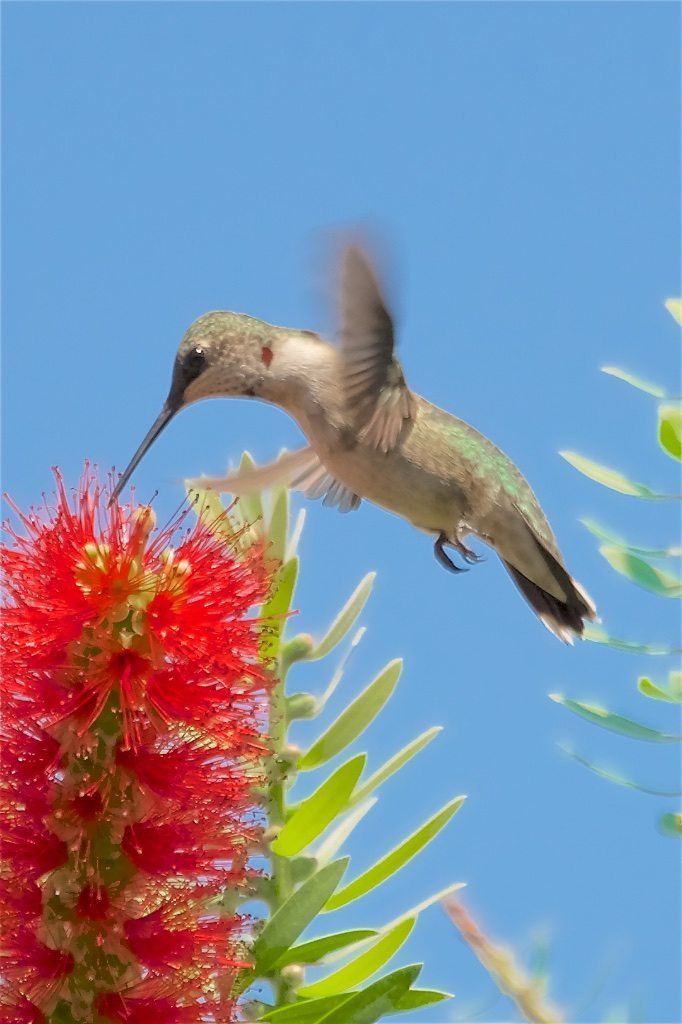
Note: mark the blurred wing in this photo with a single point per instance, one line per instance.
(375, 389)
(301, 470)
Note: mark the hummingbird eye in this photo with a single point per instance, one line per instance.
(195, 360)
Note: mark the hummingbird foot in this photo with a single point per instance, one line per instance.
(469, 556)
(443, 558)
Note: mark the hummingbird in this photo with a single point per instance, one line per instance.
(371, 437)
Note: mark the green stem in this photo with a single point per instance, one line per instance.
(280, 772)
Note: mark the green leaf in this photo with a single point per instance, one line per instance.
(674, 307)
(671, 824)
(614, 540)
(642, 573)
(337, 837)
(599, 636)
(278, 524)
(675, 685)
(314, 950)
(636, 382)
(394, 764)
(415, 998)
(340, 669)
(352, 722)
(310, 1011)
(305, 1011)
(275, 610)
(292, 543)
(620, 780)
(376, 1001)
(208, 507)
(612, 479)
(670, 430)
(649, 689)
(289, 920)
(418, 908)
(316, 812)
(251, 505)
(614, 723)
(436, 897)
(346, 617)
(395, 859)
(361, 967)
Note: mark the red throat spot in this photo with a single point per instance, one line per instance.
(266, 355)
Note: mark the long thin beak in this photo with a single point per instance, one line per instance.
(164, 417)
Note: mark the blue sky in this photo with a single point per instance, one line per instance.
(522, 160)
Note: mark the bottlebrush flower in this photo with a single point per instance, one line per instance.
(132, 735)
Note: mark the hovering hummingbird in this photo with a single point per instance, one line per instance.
(371, 437)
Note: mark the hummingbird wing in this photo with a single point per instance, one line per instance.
(374, 385)
(301, 470)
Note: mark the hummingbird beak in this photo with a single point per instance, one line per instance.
(165, 416)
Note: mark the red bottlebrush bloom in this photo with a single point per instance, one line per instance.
(133, 708)
(162, 1009)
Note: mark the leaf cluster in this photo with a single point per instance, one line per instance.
(307, 877)
(639, 565)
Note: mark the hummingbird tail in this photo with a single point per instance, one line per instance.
(563, 618)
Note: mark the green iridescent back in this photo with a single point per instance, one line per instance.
(486, 462)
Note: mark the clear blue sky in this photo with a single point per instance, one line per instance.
(161, 160)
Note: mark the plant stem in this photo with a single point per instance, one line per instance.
(279, 771)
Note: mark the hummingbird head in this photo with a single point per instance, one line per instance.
(220, 354)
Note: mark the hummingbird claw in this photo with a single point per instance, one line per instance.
(469, 556)
(442, 557)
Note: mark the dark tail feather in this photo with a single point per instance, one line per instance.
(563, 618)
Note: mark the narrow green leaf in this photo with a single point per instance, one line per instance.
(649, 689)
(289, 920)
(671, 824)
(670, 430)
(642, 573)
(394, 764)
(314, 950)
(275, 610)
(310, 1011)
(636, 382)
(353, 721)
(599, 636)
(675, 684)
(340, 669)
(346, 617)
(674, 307)
(395, 859)
(614, 723)
(305, 1011)
(614, 540)
(278, 524)
(337, 837)
(210, 508)
(415, 998)
(292, 543)
(251, 505)
(418, 908)
(620, 780)
(207, 505)
(436, 897)
(361, 967)
(316, 812)
(612, 479)
(377, 1000)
